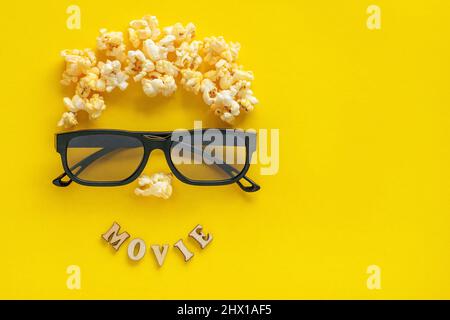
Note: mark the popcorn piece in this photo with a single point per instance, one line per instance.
(188, 55)
(223, 75)
(209, 90)
(166, 67)
(138, 31)
(211, 75)
(169, 87)
(191, 80)
(138, 65)
(152, 87)
(78, 62)
(225, 106)
(106, 76)
(159, 51)
(244, 95)
(158, 185)
(228, 73)
(89, 82)
(180, 32)
(112, 75)
(235, 85)
(112, 43)
(168, 43)
(75, 104)
(239, 74)
(68, 120)
(154, 26)
(154, 51)
(159, 84)
(217, 48)
(95, 106)
(143, 29)
(228, 103)
(238, 86)
(247, 103)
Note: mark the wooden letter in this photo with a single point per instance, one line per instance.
(114, 238)
(200, 237)
(160, 256)
(186, 253)
(132, 248)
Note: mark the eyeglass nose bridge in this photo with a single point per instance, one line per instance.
(157, 141)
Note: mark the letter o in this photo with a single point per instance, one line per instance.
(132, 249)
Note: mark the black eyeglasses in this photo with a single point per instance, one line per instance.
(206, 157)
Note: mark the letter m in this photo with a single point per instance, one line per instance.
(113, 237)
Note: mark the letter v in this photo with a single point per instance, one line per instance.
(160, 255)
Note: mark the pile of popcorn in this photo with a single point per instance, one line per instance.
(161, 60)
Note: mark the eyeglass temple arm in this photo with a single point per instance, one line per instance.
(83, 164)
(253, 187)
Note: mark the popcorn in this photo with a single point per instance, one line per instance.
(112, 75)
(169, 86)
(78, 62)
(152, 87)
(143, 29)
(208, 67)
(168, 43)
(248, 103)
(95, 106)
(89, 82)
(225, 106)
(228, 103)
(154, 26)
(107, 76)
(159, 84)
(191, 80)
(154, 51)
(209, 90)
(166, 67)
(139, 30)
(244, 95)
(180, 32)
(75, 104)
(68, 120)
(112, 43)
(138, 65)
(158, 185)
(235, 85)
(188, 55)
(228, 73)
(211, 75)
(239, 74)
(223, 69)
(217, 48)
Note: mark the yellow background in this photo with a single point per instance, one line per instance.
(364, 119)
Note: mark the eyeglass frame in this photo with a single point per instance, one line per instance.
(152, 140)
